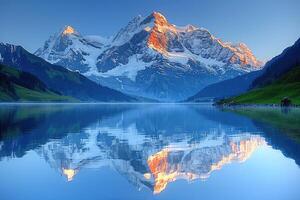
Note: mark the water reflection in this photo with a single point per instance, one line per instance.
(150, 145)
(279, 126)
(198, 160)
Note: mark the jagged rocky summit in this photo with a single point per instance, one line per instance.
(151, 57)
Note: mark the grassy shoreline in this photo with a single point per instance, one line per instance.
(286, 86)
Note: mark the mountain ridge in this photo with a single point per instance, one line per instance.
(16, 85)
(58, 78)
(286, 86)
(151, 57)
(273, 70)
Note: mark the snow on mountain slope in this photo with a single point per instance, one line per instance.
(151, 57)
(70, 49)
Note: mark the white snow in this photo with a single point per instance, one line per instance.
(129, 70)
(126, 33)
(92, 46)
(184, 57)
(92, 52)
(79, 45)
(97, 39)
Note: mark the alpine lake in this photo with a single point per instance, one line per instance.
(148, 151)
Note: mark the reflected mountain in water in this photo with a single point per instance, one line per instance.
(197, 161)
(150, 145)
(145, 161)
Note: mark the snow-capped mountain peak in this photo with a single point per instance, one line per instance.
(70, 49)
(154, 22)
(158, 36)
(159, 19)
(68, 30)
(128, 31)
(151, 57)
(190, 28)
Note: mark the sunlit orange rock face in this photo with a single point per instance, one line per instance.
(243, 54)
(69, 173)
(244, 149)
(158, 39)
(68, 30)
(241, 151)
(164, 172)
(158, 165)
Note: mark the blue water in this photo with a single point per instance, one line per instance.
(150, 151)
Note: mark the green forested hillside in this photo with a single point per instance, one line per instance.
(288, 85)
(16, 85)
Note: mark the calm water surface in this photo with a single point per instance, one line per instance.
(139, 152)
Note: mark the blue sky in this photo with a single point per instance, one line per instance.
(266, 26)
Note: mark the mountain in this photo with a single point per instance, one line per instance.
(58, 78)
(279, 79)
(227, 88)
(280, 65)
(274, 69)
(16, 85)
(69, 49)
(287, 85)
(151, 57)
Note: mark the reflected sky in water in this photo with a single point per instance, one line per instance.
(151, 151)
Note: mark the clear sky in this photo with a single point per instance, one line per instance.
(266, 26)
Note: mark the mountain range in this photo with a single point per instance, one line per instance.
(58, 79)
(279, 70)
(151, 57)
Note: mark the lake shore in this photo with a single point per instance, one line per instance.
(255, 105)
